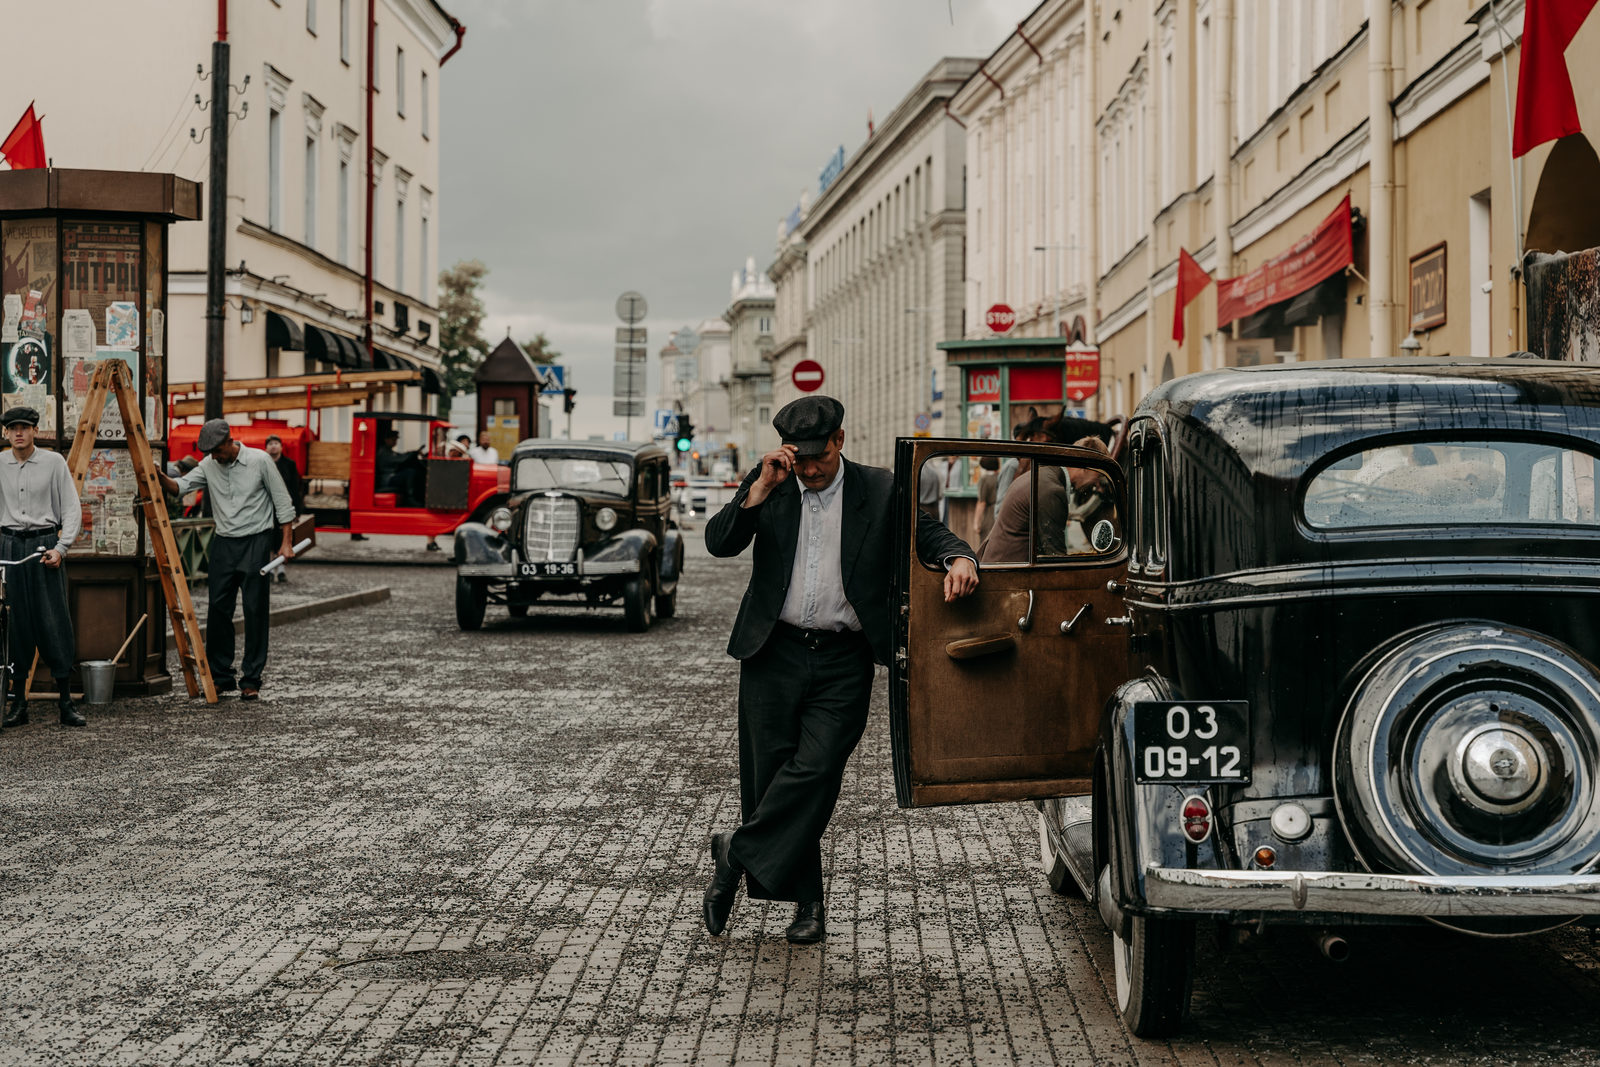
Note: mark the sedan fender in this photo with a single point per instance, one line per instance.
(478, 544)
(671, 558)
(623, 554)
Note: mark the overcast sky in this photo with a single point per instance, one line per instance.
(593, 146)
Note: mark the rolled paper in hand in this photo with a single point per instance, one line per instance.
(277, 561)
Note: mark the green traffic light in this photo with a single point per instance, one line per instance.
(684, 444)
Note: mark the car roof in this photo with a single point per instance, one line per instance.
(1278, 419)
(635, 450)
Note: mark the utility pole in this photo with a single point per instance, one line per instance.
(217, 217)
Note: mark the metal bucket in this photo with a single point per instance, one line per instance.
(99, 676)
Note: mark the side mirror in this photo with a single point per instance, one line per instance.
(1104, 537)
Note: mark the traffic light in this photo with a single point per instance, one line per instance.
(685, 433)
(567, 404)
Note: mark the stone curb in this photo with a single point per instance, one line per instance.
(311, 609)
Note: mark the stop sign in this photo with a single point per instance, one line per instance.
(807, 375)
(1000, 318)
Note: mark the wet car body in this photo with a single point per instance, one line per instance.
(591, 520)
(1379, 582)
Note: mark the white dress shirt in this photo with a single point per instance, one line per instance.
(484, 454)
(39, 493)
(816, 599)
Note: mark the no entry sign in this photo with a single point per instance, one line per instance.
(807, 375)
(1000, 318)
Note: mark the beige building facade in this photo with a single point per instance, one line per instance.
(296, 226)
(881, 253)
(753, 302)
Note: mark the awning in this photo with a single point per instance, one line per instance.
(1324, 298)
(323, 345)
(1321, 254)
(382, 360)
(355, 353)
(431, 382)
(285, 333)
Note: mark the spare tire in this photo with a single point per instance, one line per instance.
(1472, 749)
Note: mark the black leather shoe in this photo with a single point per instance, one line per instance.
(808, 927)
(724, 884)
(69, 713)
(16, 713)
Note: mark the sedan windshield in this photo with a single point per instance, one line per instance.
(1451, 483)
(565, 472)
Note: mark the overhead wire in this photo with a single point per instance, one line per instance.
(163, 143)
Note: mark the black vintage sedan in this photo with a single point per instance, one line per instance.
(589, 520)
(1325, 655)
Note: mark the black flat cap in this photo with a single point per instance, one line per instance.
(214, 434)
(19, 414)
(807, 423)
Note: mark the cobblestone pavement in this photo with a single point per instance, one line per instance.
(432, 847)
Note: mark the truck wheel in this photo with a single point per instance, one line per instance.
(1155, 971)
(471, 600)
(636, 605)
(667, 604)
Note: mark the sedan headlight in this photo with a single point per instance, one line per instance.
(605, 518)
(500, 520)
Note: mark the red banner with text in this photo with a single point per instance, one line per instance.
(1314, 258)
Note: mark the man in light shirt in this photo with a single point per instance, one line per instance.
(484, 452)
(39, 509)
(255, 519)
(815, 619)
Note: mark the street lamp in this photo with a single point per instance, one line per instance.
(1410, 346)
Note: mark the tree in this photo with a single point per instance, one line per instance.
(540, 351)
(461, 314)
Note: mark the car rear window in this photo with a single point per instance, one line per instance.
(587, 475)
(1453, 483)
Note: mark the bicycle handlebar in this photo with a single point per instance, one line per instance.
(13, 562)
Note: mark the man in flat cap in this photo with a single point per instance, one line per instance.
(39, 509)
(816, 617)
(254, 517)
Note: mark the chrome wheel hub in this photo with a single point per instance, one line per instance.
(1499, 769)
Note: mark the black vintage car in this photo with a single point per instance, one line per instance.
(585, 519)
(1328, 659)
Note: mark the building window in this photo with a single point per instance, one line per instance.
(344, 32)
(275, 169)
(311, 192)
(400, 244)
(764, 325)
(400, 82)
(423, 102)
(344, 212)
(425, 251)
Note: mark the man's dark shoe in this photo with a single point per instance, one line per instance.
(69, 713)
(16, 712)
(358, 537)
(248, 693)
(724, 884)
(808, 927)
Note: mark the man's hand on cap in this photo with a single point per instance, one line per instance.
(776, 466)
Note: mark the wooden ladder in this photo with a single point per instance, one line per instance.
(113, 376)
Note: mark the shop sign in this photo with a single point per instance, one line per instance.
(831, 171)
(1083, 373)
(1319, 255)
(1427, 288)
(983, 385)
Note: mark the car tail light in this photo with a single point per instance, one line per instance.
(1196, 821)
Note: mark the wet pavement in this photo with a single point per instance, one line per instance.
(424, 846)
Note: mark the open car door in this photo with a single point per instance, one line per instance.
(998, 696)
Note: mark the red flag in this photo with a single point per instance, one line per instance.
(24, 145)
(1191, 281)
(1546, 108)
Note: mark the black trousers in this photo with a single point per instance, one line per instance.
(39, 616)
(235, 567)
(802, 709)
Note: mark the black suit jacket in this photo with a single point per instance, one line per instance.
(866, 551)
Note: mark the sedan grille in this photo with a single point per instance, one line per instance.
(550, 533)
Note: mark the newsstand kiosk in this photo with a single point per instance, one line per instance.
(83, 270)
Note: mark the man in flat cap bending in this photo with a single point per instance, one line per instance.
(39, 509)
(255, 517)
(815, 619)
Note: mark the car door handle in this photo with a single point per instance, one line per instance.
(1120, 620)
(1072, 624)
(1026, 622)
(973, 647)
